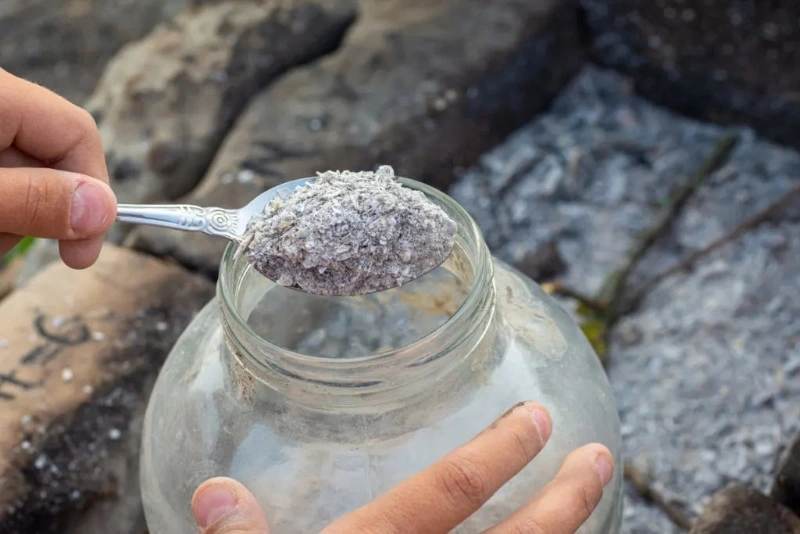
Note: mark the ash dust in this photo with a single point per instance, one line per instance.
(350, 233)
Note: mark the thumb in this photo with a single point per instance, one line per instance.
(224, 506)
(54, 204)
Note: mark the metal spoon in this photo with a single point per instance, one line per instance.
(227, 223)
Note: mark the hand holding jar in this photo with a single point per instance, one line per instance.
(439, 498)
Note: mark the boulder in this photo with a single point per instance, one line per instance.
(703, 372)
(64, 44)
(79, 352)
(165, 103)
(737, 509)
(729, 61)
(423, 86)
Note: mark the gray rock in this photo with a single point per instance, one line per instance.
(64, 44)
(400, 91)
(705, 372)
(737, 509)
(639, 517)
(728, 61)
(165, 103)
(589, 175)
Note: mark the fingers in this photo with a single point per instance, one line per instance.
(11, 157)
(224, 506)
(48, 128)
(54, 204)
(444, 495)
(57, 205)
(80, 254)
(39, 128)
(569, 499)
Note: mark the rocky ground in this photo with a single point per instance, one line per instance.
(705, 369)
(704, 365)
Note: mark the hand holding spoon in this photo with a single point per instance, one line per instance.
(228, 223)
(340, 234)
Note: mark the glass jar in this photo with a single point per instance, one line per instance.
(319, 404)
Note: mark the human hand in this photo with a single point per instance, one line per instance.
(53, 177)
(444, 495)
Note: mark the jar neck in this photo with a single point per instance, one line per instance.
(383, 377)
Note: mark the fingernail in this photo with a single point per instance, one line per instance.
(88, 211)
(213, 504)
(605, 468)
(542, 421)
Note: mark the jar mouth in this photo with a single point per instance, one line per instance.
(235, 267)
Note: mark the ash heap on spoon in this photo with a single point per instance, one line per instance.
(342, 233)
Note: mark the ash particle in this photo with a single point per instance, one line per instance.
(350, 233)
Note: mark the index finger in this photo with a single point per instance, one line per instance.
(444, 495)
(49, 128)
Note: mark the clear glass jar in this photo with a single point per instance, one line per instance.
(319, 404)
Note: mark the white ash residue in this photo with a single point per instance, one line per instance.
(350, 233)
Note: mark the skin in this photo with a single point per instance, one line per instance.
(54, 184)
(441, 497)
(53, 177)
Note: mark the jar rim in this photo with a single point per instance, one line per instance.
(468, 231)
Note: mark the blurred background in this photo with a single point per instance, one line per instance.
(638, 159)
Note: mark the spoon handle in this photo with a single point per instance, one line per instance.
(212, 221)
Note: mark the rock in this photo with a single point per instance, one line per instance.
(162, 121)
(402, 91)
(41, 254)
(584, 177)
(786, 487)
(729, 61)
(737, 509)
(705, 372)
(79, 352)
(8, 276)
(542, 263)
(64, 44)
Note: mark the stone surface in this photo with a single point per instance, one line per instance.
(726, 60)
(79, 351)
(423, 86)
(8, 276)
(705, 372)
(64, 44)
(737, 509)
(165, 103)
(587, 176)
(786, 486)
(41, 254)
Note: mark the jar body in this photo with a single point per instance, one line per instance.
(310, 462)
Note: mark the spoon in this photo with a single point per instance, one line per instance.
(228, 223)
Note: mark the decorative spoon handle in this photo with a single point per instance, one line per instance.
(212, 221)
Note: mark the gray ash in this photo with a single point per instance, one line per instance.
(350, 233)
